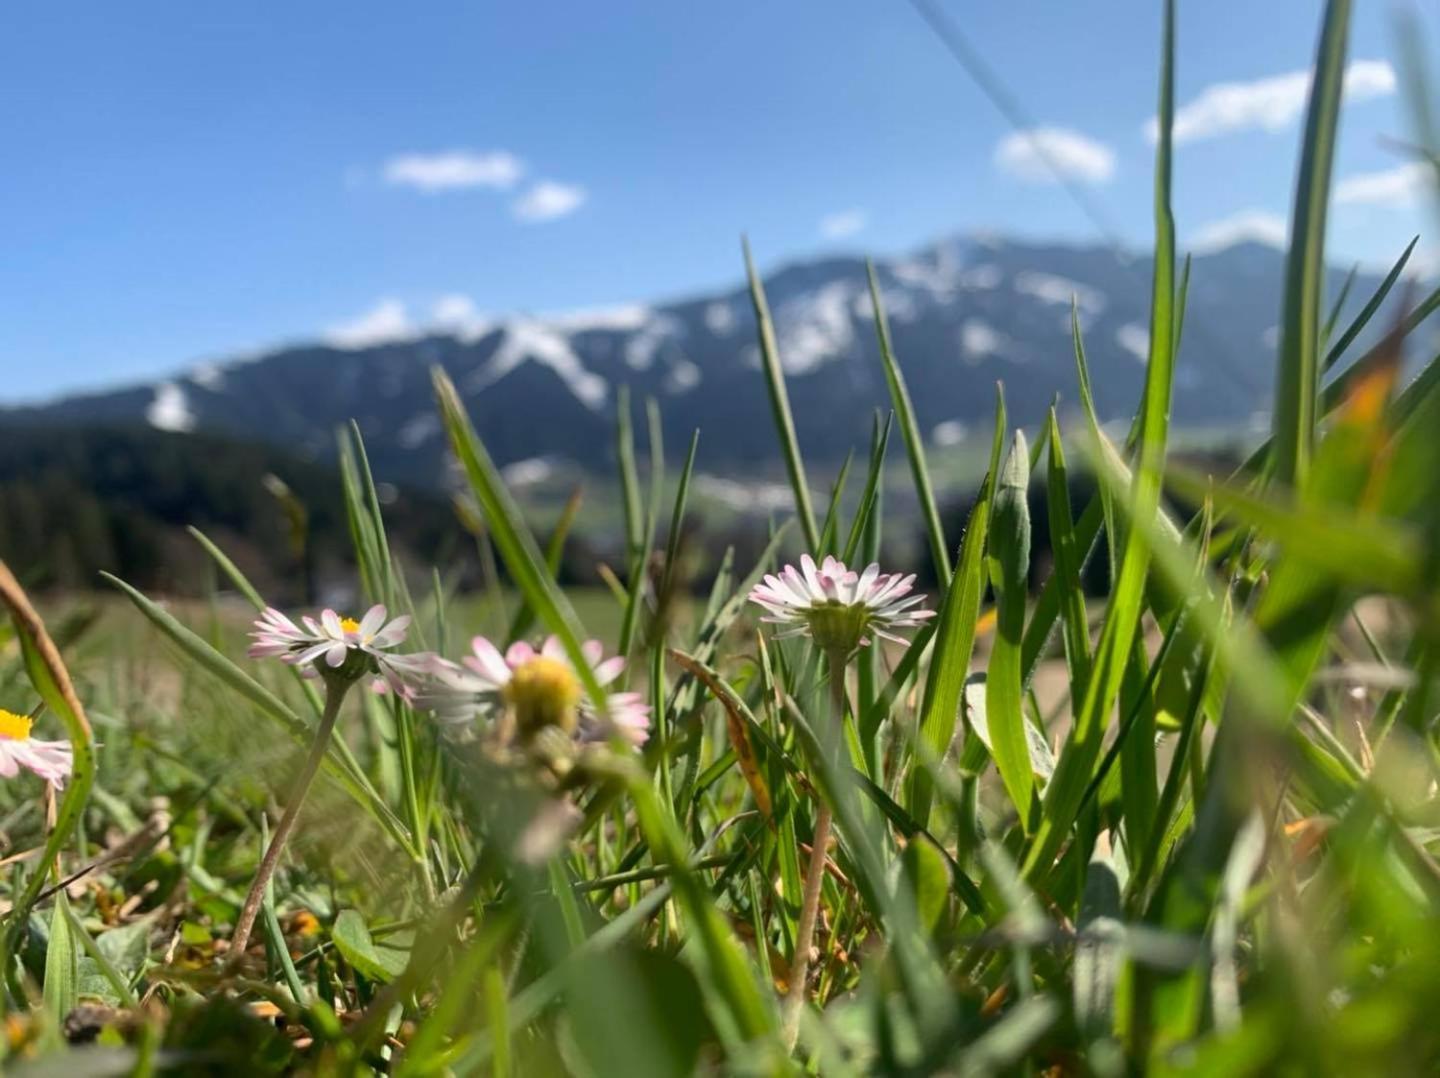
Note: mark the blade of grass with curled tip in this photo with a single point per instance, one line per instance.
(780, 403)
(51, 682)
(910, 431)
(1297, 381)
(512, 537)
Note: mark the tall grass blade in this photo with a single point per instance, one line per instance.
(1297, 381)
(910, 431)
(780, 404)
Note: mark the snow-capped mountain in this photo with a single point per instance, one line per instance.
(964, 314)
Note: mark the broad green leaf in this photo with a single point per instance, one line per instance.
(61, 962)
(352, 939)
(929, 876)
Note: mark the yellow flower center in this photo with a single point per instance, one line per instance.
(13, 727)
(350, 625)
(543, 692)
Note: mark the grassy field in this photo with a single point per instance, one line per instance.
(1190, 827)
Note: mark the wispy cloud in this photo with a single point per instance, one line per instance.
(454, 170)
(1397, 187)
(836, 226)
(1050, 154)
(388, 320)
(1247, 226)
(1268, 104)
(548, 200)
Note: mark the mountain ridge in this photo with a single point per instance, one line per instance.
(964, 312)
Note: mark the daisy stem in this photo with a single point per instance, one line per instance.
(815, 871)
(335, 690)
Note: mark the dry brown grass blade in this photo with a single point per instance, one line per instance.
(32, 627)
(735, 725)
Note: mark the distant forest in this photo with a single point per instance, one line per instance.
(74, 501)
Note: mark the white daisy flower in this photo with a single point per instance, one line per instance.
(541, 688)
(336, 639)
(838, 607)
(51, 760)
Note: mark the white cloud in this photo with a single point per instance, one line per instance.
(454, 170)
(1247, 226)
(836, 226)
(548, 200)
(1050, 154)
(387, 321)
(1267, 104)
(1399, 187)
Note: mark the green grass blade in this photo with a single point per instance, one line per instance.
(1066, 552)
(512, 537)
(1065, 792)
(910, 431)
(554, 555)
(869, 498)
(1297, 380)
(954, 642)
(780, 404)
(1361, 320)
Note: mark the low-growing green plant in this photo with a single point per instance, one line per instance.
(851, 841)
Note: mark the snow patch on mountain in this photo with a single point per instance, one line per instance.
(418, 430)
(982, 277)
(1051, 288)
(950, 432)
(642, 348)
(900, 305)
(720, 318)
(682, 377)
(757, 498)
(528, 472)
(544, 345)
(979, 339)
(814, 328)
(1135, 339)
(209, 376)
(170, 410)
(626, 318)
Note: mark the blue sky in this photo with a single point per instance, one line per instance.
(190, 181)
